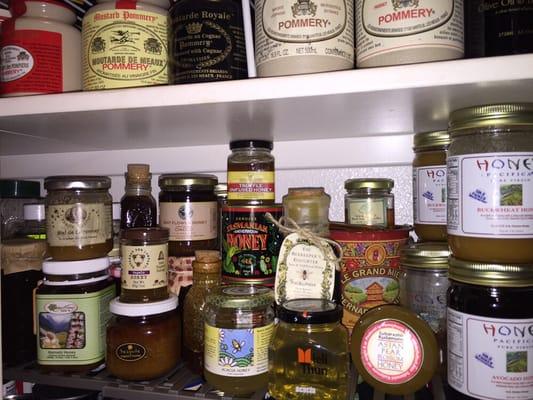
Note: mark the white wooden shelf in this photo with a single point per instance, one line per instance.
(346, 104)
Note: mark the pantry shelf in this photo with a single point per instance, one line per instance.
(359, 103)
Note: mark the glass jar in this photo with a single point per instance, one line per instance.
(309, 208)
(429, 185)
(144, 265)
(490, 185)
(72, 311)
(490, 326)
(13, 195)
(238, 326)
(79, 221)
(369, 202)
(138, 206)
(308, 352)
(251, 173)
(34, 221)
(143, 340)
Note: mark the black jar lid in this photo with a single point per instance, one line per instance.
(242, 144)
(146, 234)
(62, 182)
(184, 181)
(310, 311)
(16, 189)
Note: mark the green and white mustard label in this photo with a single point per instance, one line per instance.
(72, 327)
(237, 352)
(144, 267)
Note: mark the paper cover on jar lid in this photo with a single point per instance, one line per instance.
(75, 267)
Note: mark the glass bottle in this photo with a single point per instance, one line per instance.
(138, 206)
(206, 277)
(369, 202)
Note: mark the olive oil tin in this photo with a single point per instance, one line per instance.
(250, 244)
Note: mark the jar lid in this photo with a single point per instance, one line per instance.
(427, 140)
(221, 190)
(77, 182)
(241, 144)
(15, 189)
(310, 311)
(494, 275)
(427, 255)
(143, 309)
(52, 267)
(490, 115)
(138, 173)
(307, 205)
(241, 296)
(34, 212)
(369, 183)
(155, 234)
(179, 181)
(393, 335)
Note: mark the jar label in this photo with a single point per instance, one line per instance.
(391, 352)
(124, 48)
(237, 352)
(490, 358)
(72, 327)
(372, 212)
(144, 267)
(320, 30)
(189, 220)
(31, 61)
(251, 185)
(305, 271)
(78, 224)
(385, 27)
(429, 195)
(130, 352)
(490, 195)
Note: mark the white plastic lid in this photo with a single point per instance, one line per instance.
(143, 309)
(116, 211)
(34, 212)
(75, 267)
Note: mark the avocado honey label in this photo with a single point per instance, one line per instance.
(250, 244)
(130, 352)
(124, 48)
(207, 41)
(78, 224)
(144, 267)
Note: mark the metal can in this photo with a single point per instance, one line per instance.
(250, 244)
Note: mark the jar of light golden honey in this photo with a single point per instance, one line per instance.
(429, 185)
(490, 183)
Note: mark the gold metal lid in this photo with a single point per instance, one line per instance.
(491, 115)
(428, 255)
(184, 180)
(428, 140)
(495, 275)
(84, 182)
(241, 297)
(368, 183)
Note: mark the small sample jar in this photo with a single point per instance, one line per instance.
(79, 221)
(498, 28)
(429, 185)
(490, 325)
(143, 340)
(303, 37)
(369, 202)
(144, 265)
(40, 49)
(251, 172)
(406, 32)
(308, 352)
(125, 44)
(238, 327)
(72, 311)
(490, 185)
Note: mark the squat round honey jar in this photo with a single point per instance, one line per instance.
(490, 183)
(369, 202)
(79, 223)
(490, 331)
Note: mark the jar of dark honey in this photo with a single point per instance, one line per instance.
(490, 183)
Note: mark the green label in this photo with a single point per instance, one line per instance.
(72, 327)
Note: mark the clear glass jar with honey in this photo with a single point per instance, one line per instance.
(429, 185)
(369, 202)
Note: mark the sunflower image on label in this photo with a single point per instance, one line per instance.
(120, 51)
(144, 267)
(237, 352)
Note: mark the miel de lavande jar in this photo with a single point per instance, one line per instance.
(79, 223)
(490, 183)
(490, 331)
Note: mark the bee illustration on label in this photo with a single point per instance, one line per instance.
(404, 3)
(237, 346)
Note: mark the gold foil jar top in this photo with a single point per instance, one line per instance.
(490, 116)
(493, 275)
(431, 140)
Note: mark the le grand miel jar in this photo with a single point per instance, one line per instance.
(490, 331)
(490, 183)
(239, 321)
(79, 224)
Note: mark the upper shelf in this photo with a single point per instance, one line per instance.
(378, 101)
